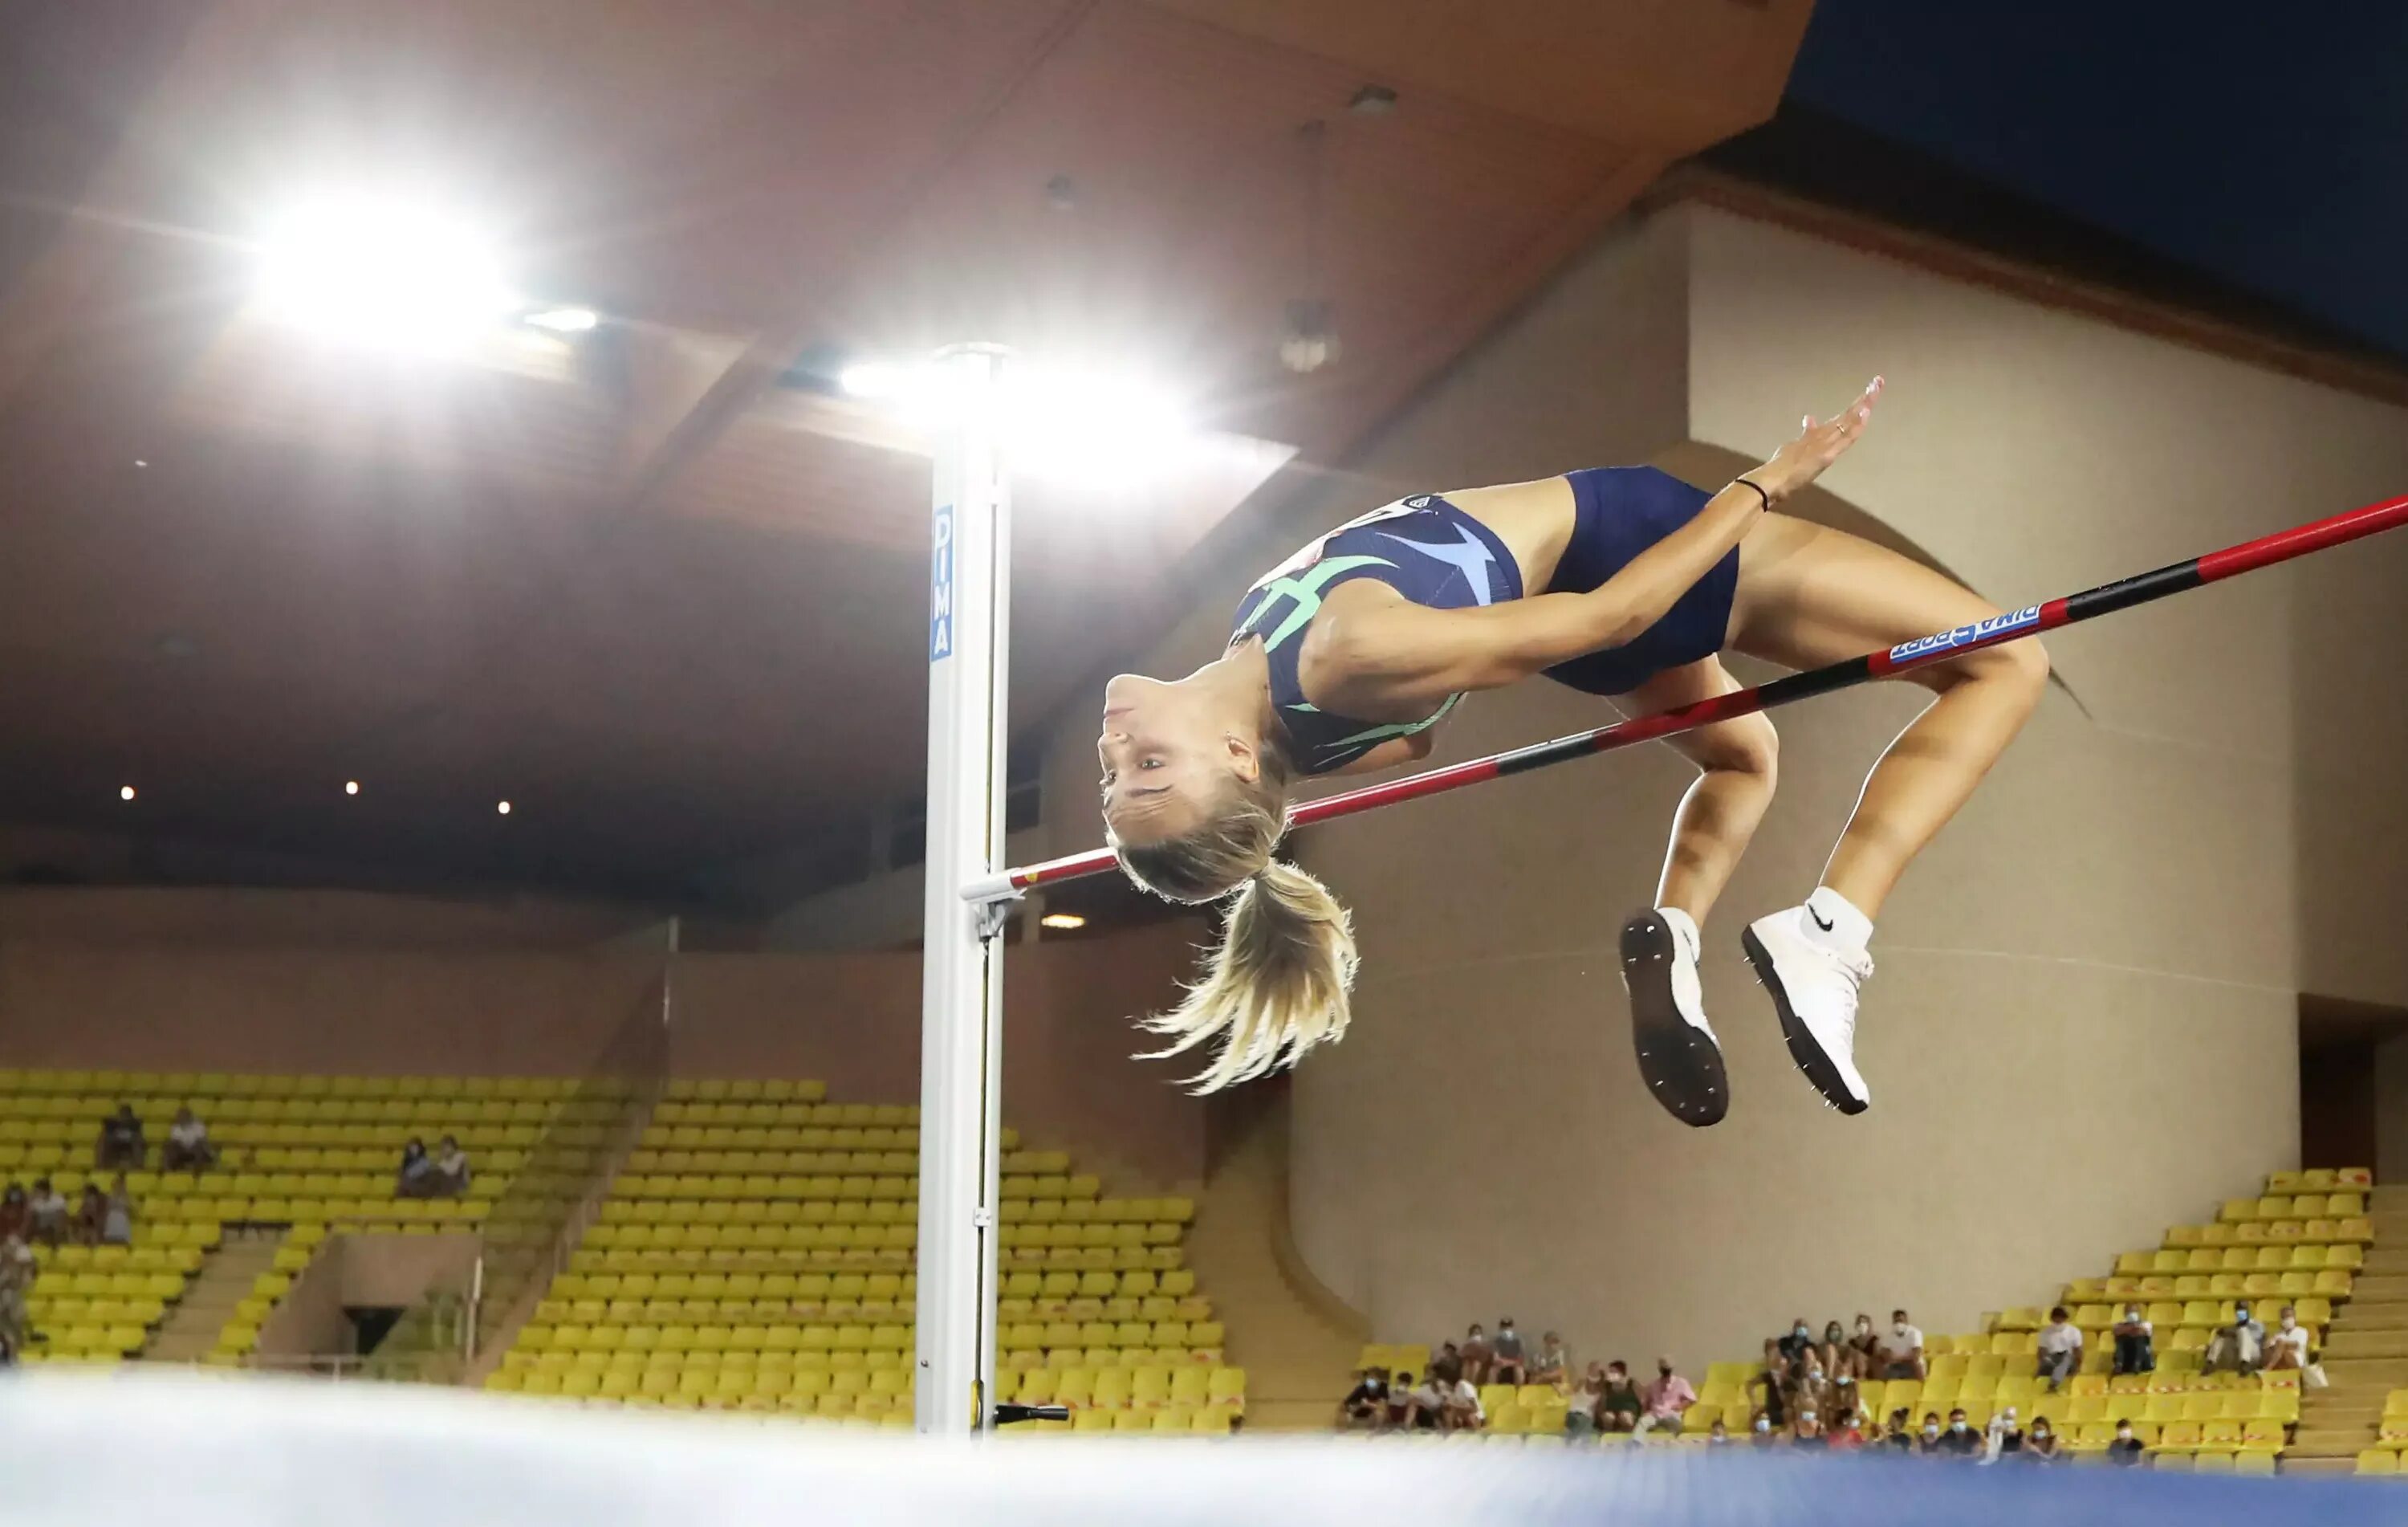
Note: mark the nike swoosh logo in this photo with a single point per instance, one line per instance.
(1818, 919)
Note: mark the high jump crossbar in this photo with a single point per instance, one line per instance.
(967, 895)
(1939, 647)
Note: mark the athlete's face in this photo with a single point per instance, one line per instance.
(1167, 756)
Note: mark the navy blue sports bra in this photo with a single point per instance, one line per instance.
(1422, 547)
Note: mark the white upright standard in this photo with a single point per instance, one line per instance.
(961, 993)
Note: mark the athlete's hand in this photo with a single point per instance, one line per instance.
(1803, 459)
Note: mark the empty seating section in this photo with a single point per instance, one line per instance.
(310, 1152)
(755, 1253)
(2299, 1245)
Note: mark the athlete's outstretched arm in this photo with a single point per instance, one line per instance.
(1391, 652)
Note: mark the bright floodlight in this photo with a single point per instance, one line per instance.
(1090, 427)
(1064, 920)
(874, 379)
(395, 273)
(564, 320)
(125, 792)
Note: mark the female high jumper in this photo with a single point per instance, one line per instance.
(1618, 580)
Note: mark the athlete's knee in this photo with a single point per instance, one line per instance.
(1748, 746)
(2021, 667)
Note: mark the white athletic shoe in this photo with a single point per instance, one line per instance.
(1813, 989)
(1679, 1057)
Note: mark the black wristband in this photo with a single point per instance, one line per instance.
(1744, 483)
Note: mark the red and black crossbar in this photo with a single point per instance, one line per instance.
(1936, 648)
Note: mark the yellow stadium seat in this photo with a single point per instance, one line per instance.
(2378, 1460)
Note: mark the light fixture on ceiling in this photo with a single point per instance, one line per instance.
(394, 272)
(125, 792)
(502, 808)
(1373, 101)
(350, 787)
(1066, 921)
(138, 462)
(1066, 423)
(1309, 339)
(563, 319)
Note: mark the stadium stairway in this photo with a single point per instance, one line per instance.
(2365, 1354)
(224, 1280)
(1292, 1348)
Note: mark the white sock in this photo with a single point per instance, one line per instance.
(1832, 920)
(1683, 927)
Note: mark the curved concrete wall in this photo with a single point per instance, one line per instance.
(2084, 1026)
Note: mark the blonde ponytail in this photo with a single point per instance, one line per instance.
(1273, 987)
(1277, 982)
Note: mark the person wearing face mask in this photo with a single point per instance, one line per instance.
(1931, 1441)
(1797, 1341)
(1718, 1435)
(1807, 1430)
(1619, 1407)
(1900, 1349)
(1868, 1348)
(1579, 1409)
(2041, 1446)
(2287, 1345)
(1475, 1354)
(2127, 1451)
(1761, 1434)
(1507, 1364)
(2238, 1347)
(2002, 1438)
(1959, 1441)
(2059, 1347)
(2135, 1344)
(1666, 1399)
(1838, 1357)
(1843, 1435)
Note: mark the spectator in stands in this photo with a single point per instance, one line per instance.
(1868, 1345)
(2287, 1345)
(450, 1170)
(1799, 1342)
(1475, 1354)
(16, 1213)
(1507, 1364)
(1459, 1406)
(1844, 1436)
(1770, 1385)
(1580, 1404)
(2127, 1450)
(2238, 1347)
(1807, 1430)
(120, 1141)
(1425, 1404)
(91, 1216)
(1665, 1400)
(1959, 1441)
(2040, 1446)
(1718, 1435)
(2135, 1344)
(1554, 1364)
(1933, 1441)
(116, 1214)
(188, 1147)
(1811, 1387)
(1400, 1400)
(1838, 1355)
(1900, 1349)
(17, 1271)
(1619, 1407)
(2002, 1437)
(1899, 1435)
(48, 1208)
(1762, 1433)
(414, 1177)
(1366, 1403)
(2059, 1346)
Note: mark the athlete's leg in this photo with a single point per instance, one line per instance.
(1810, 595)
(1679, 1058)
(1807, 596)
(1738, 763)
